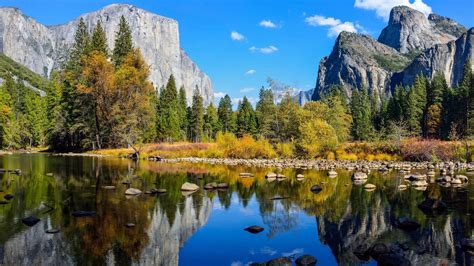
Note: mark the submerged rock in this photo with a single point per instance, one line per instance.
(133, 192)
(254, 229)
(316, 189)
(8, 197)
(52, 231)
(407, 224)
(189, 187)
(282, 261)
(30, 221)
(83, 213)
(306, 260)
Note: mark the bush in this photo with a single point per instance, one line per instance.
(317, 137)
(246, 147)
(285, 150)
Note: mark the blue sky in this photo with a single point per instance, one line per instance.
(284, 40)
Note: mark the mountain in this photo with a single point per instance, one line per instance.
(42, 48)
(409, 45)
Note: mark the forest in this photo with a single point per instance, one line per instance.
(101, 98)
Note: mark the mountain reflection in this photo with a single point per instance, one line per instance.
(346, 215)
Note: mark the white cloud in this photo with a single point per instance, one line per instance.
(264, 50)
(244, 90)
(267, 24)
(251, 72)
(383, 7)
(219, 95)
(335, 25)
(237, 36)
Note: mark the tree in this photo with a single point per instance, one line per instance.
(9, 129)
(182, 105)
(416, 104)
(362, 128)
(99, 40)
(432, 114)
(196, 122)
(225, 114)
(246, 119)
(211, 122)
(286, 124)
(338, 115)
(317, 136)
(169, 128)
(123, 42)
(265, 113)
(433, 121)
(80, 46)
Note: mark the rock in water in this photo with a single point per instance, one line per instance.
(359, 176)
(271, 175)
(316, 189)
(254, 229)
(306, 260)
(222, 185)
(407, 224)
(432, 206)
(130, 225)
(282, 261)
(8, 197)
(133, 192)
(189, 187)
(369, 186)
(40, 47)
(52, 231)
(30, 221)
(83, 213)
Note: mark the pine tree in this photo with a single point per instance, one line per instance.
(80, 46)
(9, 129)
(182, 105)
(467, 85)
(99, 40)
(169, 127)
(211, 122)
(433, 110)
(246, 119)
(416, 103)
(224, 112)
(362, 128)
(196, 122)
(265, 113)
(123, 42)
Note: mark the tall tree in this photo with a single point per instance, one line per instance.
(246, 119)
(80, 46)
(265, 113)
(196, 122)
(432, 114)
(362, 128)
(224, 112)
(416, 103)
(99, 40)
(287, 121)
(182, 105)
(211, 122)
(123, 42)
(169, 128)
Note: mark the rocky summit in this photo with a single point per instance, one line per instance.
(411, 44)
(42, 48)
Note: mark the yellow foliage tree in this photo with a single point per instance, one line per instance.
(317, 136)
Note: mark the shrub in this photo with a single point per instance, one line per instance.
(285, 150)
(246, 147)
(317, 137)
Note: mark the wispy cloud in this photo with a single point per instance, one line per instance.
(245, 90)
(219, 95)
(268, 24)
(264, 50)
(237, 36)
(251, 72)
(335, 25)
(383, 7)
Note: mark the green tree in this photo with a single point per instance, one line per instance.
(317, 136)
(196, 122)
(416, 104)
(286, 125)
(265, 113)
(169, 128)
(362, 128)
(246, 119)
(211, 122)
(433, 110)
(182, 105)
(80, 46)
(99, 40)
(123, 42)
(225, 114)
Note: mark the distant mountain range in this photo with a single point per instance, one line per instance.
(41, 48)
(411, 44)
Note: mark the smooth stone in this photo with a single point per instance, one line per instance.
(282, 261)
(210, 186)
(316, 189)
(108, 187)
(133, 192)
(359, 176)
(49, 174)
(332, 173)
(306, 260)
(280, 176)
(30, 220)
(463, 178)
(83, 213)
(369, 186)
(222, 185)
(189, 187)
(8, 197)
(130, 225)
(254, 229)
(52, 231)
(271, 175)
(160, 190)
(299, 176)
(419, 183)
(402, 187)
(407, 224)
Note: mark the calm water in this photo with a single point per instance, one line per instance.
(206, 228)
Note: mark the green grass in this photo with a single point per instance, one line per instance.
(391, 63)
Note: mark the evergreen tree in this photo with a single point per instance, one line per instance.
(9, 129)
(467, 87)
(169, 127)
(246, 119)
(433, 110)
(196, 122)
(416, 103)
(211, 122)
(224, 112)
(265, 113)
(123, 42)
(182, 105)
(99, 40)
(80, 46)
(362, 128)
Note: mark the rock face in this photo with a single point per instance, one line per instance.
(411, 44)
(42, 48)
(409, 30)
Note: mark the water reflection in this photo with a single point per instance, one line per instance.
(337, 221)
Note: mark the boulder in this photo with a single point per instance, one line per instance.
(419, 183)
(369, 186)
(254, 229)
(299, 176)
(332, 173)
(189, 187)
(133, 192)
(359, 176)
(306, 260)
